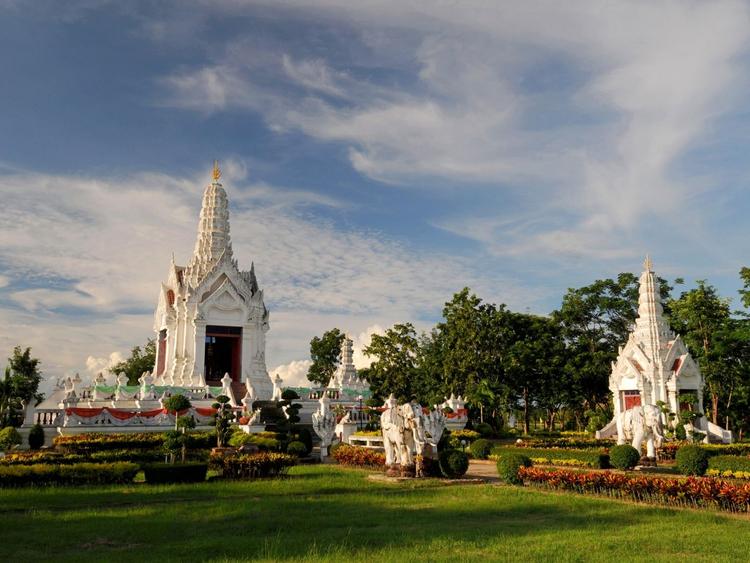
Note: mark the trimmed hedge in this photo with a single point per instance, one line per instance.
(670, 449)
(266, 441)
(453, 463)
(76, 474)
(97, 442)
(624, 456)
(253, 466)
(574, 443)
(480, 449)
(508, 465)
(188, 472)
(358, 456)
(60, 458)
(732, 466)
(9, 438)
(692, 460)
(551, 456)
(36, 437)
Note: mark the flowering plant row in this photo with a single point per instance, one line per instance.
(551, 456)
(358, 456)
(691, 492)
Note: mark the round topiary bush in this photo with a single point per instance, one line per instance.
(508, 466)
(692, 460)
(9, 439)
(36, 437)
(453, 463)
(484, 429)
(296, 448)
(480, 449)
(624, 456)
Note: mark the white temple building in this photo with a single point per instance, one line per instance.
(210, 319)
(345, 376)
(655, 365)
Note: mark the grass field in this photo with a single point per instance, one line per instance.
(328, 513)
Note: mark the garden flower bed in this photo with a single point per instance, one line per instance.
(551, 456)
(694, 492)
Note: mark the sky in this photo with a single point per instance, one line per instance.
(378, 157)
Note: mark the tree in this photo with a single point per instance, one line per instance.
(395, 369)
(325, 352)
(19, 386)
(534, 365)
(702, 317)
(140, 360)
(223, 419)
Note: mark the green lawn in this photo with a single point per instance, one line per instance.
(324, 512)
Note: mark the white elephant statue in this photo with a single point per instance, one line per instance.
(392, 427)
(641, 423)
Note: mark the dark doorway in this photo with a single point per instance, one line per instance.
(223, 352)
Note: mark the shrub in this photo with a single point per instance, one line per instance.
(76, 474)
(358, 456)
(297, 449)
(508, 465)
(692, 460)
(266, 441)
(97, 441)
(551, 456)
(60, 458)
(305, 436)
(253, 466)
(480, 449)
(188, 472)
(453, 463)
(485, 430)
(9, 438)
(729, 466)
(624, 456)
(36, 437)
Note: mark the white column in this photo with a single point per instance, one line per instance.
(247, 354)
(200, 350)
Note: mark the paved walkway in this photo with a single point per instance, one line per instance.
(483, 469)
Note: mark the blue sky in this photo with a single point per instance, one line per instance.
(378, 157)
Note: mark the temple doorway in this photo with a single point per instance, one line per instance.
(223, 352)
(631, 399)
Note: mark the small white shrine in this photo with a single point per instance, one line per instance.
(345, 376)
(655, 365)
(210, 319)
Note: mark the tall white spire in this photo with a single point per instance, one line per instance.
(213, 239)
(651, 328)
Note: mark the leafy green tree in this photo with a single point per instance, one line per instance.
(19, 386)
(140, 360)
(702, 317)
(223, 420)
(534, 365)
(175, 404)
(325, 352)
(395, 368)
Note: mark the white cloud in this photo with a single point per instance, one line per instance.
(293, 374)
(102, 365)
(579, 111)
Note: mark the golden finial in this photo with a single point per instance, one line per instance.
(647, 264)
(216, 171)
